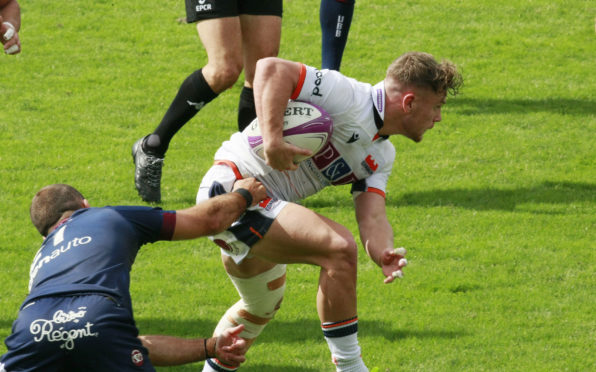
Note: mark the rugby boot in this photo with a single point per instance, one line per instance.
(147, 173)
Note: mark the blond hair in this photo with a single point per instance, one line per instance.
(422, 70)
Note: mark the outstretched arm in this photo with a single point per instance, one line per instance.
(218, 213)
(275, 81)
(173, 351)
(376, 234)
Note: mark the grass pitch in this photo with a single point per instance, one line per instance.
(497, 206)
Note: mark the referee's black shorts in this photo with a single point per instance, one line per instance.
(197, 10)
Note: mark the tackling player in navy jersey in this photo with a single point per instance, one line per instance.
(78, 314)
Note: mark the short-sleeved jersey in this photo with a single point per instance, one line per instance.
(93, 251)
(355, 155)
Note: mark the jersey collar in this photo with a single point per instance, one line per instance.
(378, 97)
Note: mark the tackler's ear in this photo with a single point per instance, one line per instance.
(407, 102)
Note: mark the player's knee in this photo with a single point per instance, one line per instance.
(347, 249)
(344, 257)
(224, 76)
(262, 296)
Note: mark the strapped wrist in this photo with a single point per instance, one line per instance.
(207, 356)
(246, 194)
(9, 25)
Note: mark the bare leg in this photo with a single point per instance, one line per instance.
(299, 235)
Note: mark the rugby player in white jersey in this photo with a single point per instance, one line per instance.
(279, 231)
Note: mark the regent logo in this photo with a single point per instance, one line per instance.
(302, 111)
(137, 357)
(202, 7)
(52, 330)
(316, 91)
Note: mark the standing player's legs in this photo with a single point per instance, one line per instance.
(299, 235)
(261, 36)
(222, 39)
(335, 17)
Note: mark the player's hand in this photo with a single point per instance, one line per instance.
(230, 348)
(9, 38)
(256, 188)
(280, 155)
(392, 263)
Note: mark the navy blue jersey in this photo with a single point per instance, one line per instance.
(93, 251)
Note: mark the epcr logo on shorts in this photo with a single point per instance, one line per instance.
(202, 7)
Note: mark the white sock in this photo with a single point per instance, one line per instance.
(214, 365)
(342, 338)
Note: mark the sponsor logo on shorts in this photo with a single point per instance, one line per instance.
(202, 7)
(2, 367)
(223, 245)
(52, 330)
(137, 357)
(267, 203)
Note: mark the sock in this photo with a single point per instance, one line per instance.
(342, 338)
(194, 93)
(335, 17)
(246, 108)
(214, 365)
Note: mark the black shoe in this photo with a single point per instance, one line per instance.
(147, 173)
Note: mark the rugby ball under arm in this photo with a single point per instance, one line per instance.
(305, 125)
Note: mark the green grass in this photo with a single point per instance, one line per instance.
(497, 206)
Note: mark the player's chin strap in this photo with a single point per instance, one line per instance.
(261, 297)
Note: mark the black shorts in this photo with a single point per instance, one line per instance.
(91, 332)
(197, 10)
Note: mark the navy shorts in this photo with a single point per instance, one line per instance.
(75, 333)
(197, 10)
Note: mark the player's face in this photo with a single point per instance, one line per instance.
(425, 112)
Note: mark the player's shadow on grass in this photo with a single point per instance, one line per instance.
(298, 332)
(557, 194)
(564, 106)
(293, 331)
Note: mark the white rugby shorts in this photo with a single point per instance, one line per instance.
(250, 228)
